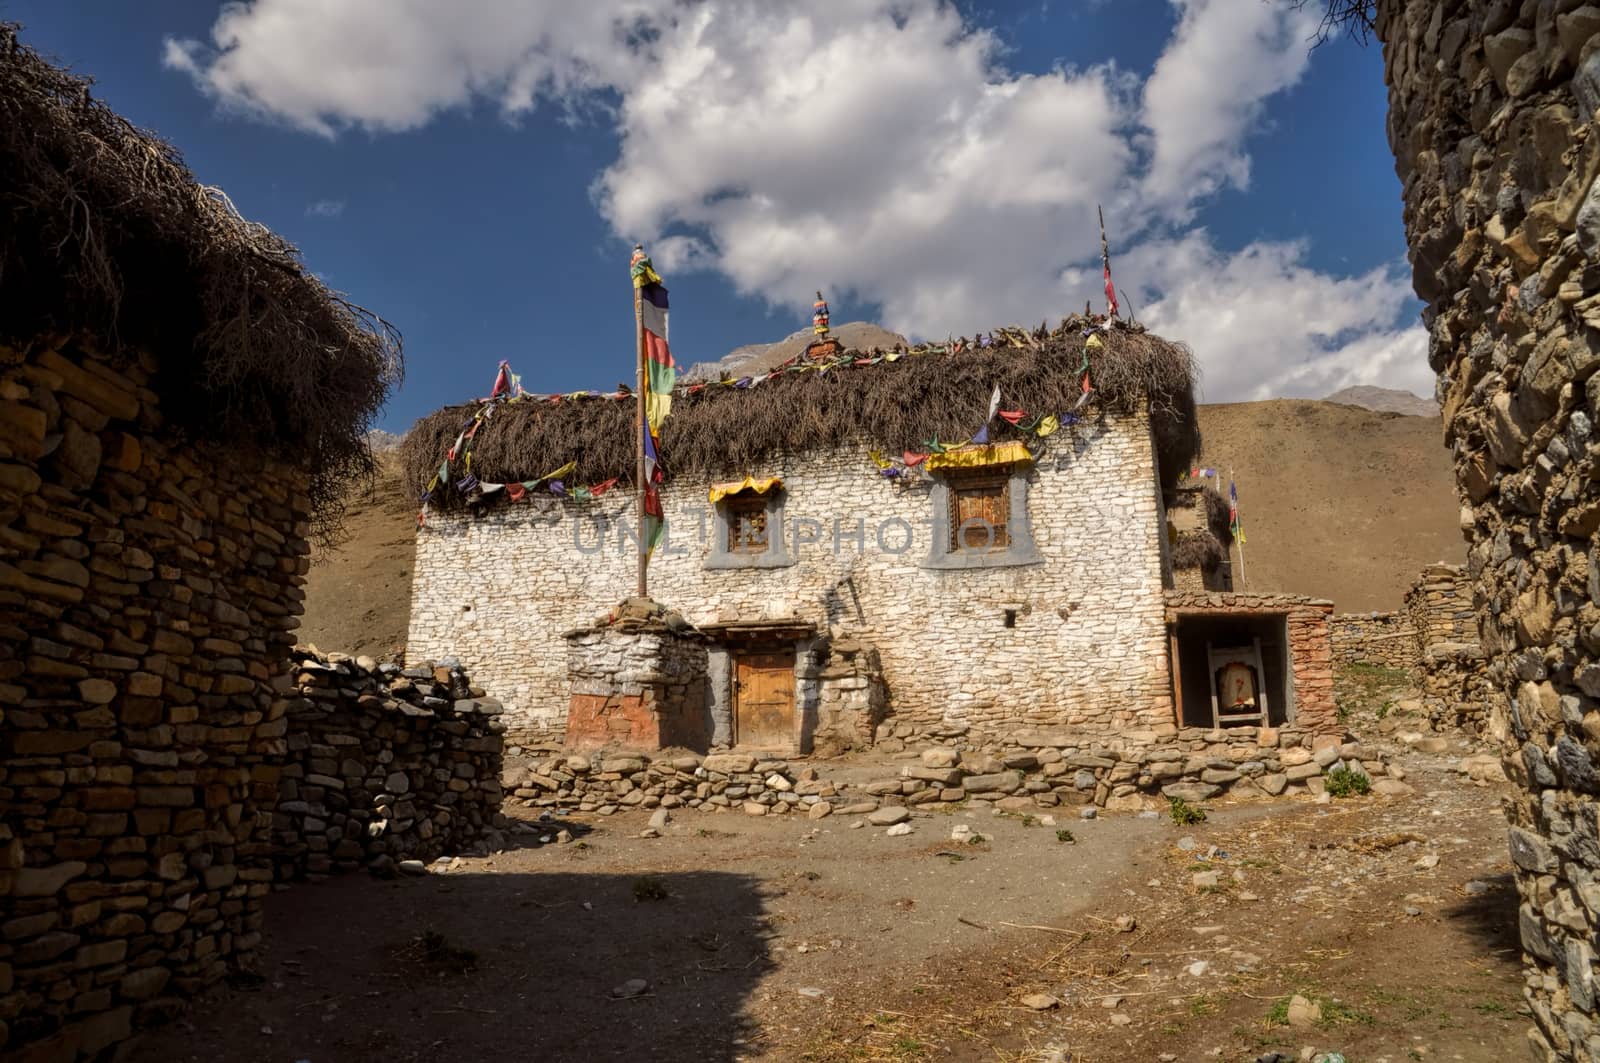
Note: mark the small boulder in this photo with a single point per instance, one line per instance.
(1303, 1012)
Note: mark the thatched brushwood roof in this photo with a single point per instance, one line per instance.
(930, 391)
(107, 238)
(1198, 548)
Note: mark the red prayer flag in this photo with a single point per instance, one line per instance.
(1012, 416)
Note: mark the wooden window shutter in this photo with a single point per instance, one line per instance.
(747, 523)
(982, 502)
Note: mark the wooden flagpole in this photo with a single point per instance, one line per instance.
(638, 438)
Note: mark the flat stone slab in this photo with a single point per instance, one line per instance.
(889, 816)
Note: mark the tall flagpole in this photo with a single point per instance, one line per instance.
(638, 439)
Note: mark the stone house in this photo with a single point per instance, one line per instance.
(1022, 582)
(176, 395)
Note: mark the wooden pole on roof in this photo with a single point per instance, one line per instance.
(641, 427)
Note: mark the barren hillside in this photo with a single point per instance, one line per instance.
(1337, 501)
(358, 597)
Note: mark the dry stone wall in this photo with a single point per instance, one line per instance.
(1025, 772)
(1492, 122)
(1383, 640)
(385, 765)
(1077, 640)
(1456, 690)
(149, 588)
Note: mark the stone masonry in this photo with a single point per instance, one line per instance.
(1384, 640)
(636, 689)
(1492, 112)
(1456, 690)
(1025, 772)
(149, 588)
(1077, 640)
(385, 764)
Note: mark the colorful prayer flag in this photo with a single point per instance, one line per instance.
(640, 269)
(655, 520)
(661, 372)
(1105, 263)
(1233, 513)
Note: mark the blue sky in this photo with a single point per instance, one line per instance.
(478, 176)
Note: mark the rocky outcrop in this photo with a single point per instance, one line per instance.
(1492, 108)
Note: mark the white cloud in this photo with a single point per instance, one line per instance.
(325, 208)
(863, 147)
(872, 147)
(392, 65)
(1263, 324)
(1224, 60)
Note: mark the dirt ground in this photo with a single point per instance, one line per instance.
(787, 939)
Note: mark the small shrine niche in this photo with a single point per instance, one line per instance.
(1238, 689)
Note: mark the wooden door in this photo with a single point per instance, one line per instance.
(764, 700)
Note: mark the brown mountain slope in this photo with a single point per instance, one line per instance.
(1336, 501)
(358, 597)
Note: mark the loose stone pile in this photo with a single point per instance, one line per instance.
(385, 764)
(1041, 771)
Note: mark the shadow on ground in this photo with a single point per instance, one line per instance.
(1490, 916)
(492, 967)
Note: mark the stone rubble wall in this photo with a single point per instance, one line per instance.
(1454, 677)
(1310, 645)
(1492, 112)
(1087, 649)
(149, 588)
(1025, 772)
(384, 764)
(1439, 606)
(852, 700)
(1384, 640)
(643, 689)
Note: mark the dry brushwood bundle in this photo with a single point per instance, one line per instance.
(930, 391)
(106, 237)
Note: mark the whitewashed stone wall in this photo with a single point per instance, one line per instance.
(1087, 649)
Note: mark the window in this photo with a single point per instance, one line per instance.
(980, 517)
(749, 531)
(746, 523)
(980, 510)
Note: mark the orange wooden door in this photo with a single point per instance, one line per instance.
(764, 700)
